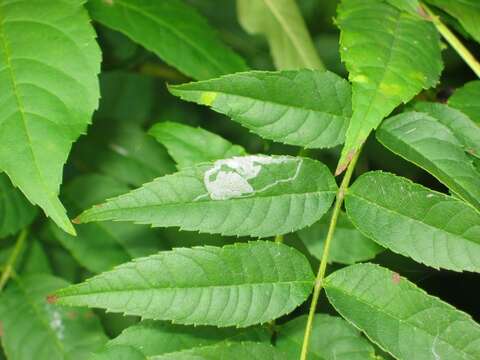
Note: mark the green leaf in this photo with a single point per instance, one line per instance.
(332, 339)
(401, 318)
(153, 338)
(173, 31)
(30, 260)
(101, 246)
(189, 146)
(281, 22)
(230, 351)
(388, 62)
(255, 195)
(424, 141)
(464, 129)
(15, 211)
(467, 12)
(430, 227)
(410, 6)
(119, 353)
(123, 151)
(348, 245)
(241, 284)
(305, 107)
(49, 94)
(466, 100)
(35, 329)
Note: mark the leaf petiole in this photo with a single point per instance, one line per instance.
(9, 266)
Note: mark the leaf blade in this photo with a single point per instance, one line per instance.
(304, 107)
(392, 311)
(388, 63)
(216, 291)
(463, 99)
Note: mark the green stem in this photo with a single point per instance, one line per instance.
(323, 263)
(10, 265)
(454, 42)
(279, 239)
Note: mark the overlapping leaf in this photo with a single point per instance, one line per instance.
(154, 338)
(48, 94)
(173, 31)
(426, 142)
(467, 12)
(466, 100)
(241, 284)
(332, 339)
(283, 25)
(348, 245)
(189, 146)
(254, 195)
(305, 107)
(430, 227)
(464, 129)
(101, 246)
(35, 329)
(15, 211)
(401, 318)
(388, 62)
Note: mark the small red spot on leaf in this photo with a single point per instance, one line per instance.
(72, 315)
(76, 221)
(396, 278)
(89, 315)
(52, 299)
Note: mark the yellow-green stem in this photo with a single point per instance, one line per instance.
(279, 239)
(10, 265)
(454, 42)
(326, 248)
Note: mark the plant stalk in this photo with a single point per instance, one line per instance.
(10, 265)
(454, 42)
(326, 248)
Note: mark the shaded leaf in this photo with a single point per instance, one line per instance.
(464, 129)
(332, 339)
(281, 22)
(424, 141)
(15, 211)
(101, 246)
(189, 146)
(467, 12)
(153, 338)
(49, 94)
(255, 195)
(466, 100)
(35, 329)
(348, 245)
(388, 62)
(241, 284)
(430, 227)
(173, 31)
(401, 318)
(305, 107)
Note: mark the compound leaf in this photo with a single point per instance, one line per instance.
(15, 211)
(432, 228)
(332, 339)
(254, 195)
(464, 129)
(35, 329)
(189, 146)
(401, 318)
(48, 94)
(173, 31)
(388, 63)
(241, 284)
(466, 98)
(283, 25)
(426, 142)
(306, 107)
(467, 12)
